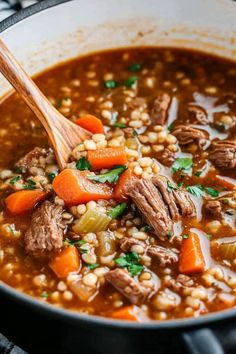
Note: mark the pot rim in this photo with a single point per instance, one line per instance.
(72, 316)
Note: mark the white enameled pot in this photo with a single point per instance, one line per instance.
(54, 31)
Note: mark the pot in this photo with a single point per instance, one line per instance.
(57, 30)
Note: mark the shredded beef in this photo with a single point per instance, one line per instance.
(163, 255)
(46, 230)
(178, 201)
(150, 203)
(166, 157)
(198, 115)
(127, 286)
(223, 154)
(188, 135)
(30, 159)
(160, 108)
(160, 206)
(213, 208)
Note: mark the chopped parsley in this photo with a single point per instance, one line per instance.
(185, 236)
(130, 261)
(12, 229)
(211, 191)
(117, 211)
(83, 164)
(110, 84)
(92, 266)
(135, 67)
(14, 179)
(119, 125)
(170, 127)
(171, 186)
(19, 169)
(131, 81)
(51, 176)
(180, 184)
(225, 201)
(44, 294)
(110, 176)
(182, 164)
(198, 173)
(146, 228)
(196, 190)
(30, 185)
(135, 133)
(168, 235)
(77, 243)
(209, 236)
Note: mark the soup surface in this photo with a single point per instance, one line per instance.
(141, 224)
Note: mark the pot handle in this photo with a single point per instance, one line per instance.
(202, 341)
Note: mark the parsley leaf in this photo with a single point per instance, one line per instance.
(69, 242)
(130, 261)
(110, 176)
(168, 235)
(14, 179)
(198, 173)
(185, 236)
(196, 190)
(92, 266)
(182, 163)
(171, 186)
(146, 228)
(44, 294)
(119, 125)
(51, 176)
(117, 211)
(110, 84)
(30, 185)
(19, 169)
(83, 164)
(135, 133)
(211, 191)
(134, 67)
(131, 81)
(170, 127)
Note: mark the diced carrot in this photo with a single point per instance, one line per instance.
(120, 188)
(24, 200)
(66, 262)
(74, 188)
(191, 257)
(91, 123)
(125, 313)
(225, 182)
(107, 157)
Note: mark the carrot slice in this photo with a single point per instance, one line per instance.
(225, 182)
(74, 188)
(107, 157)
(66, 262)
(91, 123)
(24, 200)
(120, 188)
(191, 257)
(125, 313)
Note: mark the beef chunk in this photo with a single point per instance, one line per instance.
(213, 208)
(198, 115)
(151, 205)
(160, 206)
(166, 156)
(163, 255)
(178, 201)
(160, 108)
(182, 281)
(188, 135)
(127, 286)
(223, 154)
(46, 230)
(31, 158)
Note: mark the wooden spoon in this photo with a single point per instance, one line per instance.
(62, 133)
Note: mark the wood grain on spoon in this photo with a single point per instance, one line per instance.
(62, 133)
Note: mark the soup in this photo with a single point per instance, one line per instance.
(140, 225)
